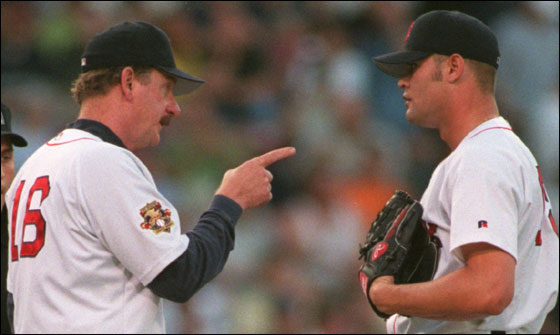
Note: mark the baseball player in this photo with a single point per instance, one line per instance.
(486, 202)
(94, 246)
(9, 140)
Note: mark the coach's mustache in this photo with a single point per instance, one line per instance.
(165, 120)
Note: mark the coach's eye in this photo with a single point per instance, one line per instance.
(413, 67)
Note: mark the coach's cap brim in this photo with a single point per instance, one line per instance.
(186, 83)
(397, 64)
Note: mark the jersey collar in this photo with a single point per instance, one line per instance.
(495, 123)
(98, 129)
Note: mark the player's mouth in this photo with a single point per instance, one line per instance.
(406, 100)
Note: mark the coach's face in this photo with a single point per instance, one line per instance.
(424, 93)
(156, 105)
(7, 165)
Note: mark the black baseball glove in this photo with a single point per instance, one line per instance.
(398, 244)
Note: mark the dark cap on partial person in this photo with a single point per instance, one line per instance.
(137, 43)
(16, 139)
(442, 32)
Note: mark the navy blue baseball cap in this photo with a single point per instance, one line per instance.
(137, 43)
(442, 32)
(16, 139)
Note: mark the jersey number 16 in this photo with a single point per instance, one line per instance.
(32, 217)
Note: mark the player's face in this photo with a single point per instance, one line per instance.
(7, 165)
(156, 106)
(423, 92)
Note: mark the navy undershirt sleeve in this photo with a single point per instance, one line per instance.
(11, 311)
(210, 243)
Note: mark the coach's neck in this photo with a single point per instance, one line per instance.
(111, 111)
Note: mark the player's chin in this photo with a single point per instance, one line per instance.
(412, 117)
(418, 120)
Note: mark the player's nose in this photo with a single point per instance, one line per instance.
(403, 82)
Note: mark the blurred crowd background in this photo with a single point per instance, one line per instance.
(277, 74)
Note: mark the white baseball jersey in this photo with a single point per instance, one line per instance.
(89, 230)
(489, 189)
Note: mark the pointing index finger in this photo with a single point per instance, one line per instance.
(275, 155)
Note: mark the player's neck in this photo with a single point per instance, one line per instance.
(466, 116)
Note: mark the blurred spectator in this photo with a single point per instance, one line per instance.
(286, 73)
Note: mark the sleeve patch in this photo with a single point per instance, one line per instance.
(156, 219)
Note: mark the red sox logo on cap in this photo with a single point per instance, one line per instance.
(442, 32)
(408, 32)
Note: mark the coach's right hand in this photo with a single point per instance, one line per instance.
(249, 184)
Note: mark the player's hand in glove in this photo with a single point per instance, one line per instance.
(398, 245)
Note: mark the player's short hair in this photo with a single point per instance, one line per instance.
(484, 74)
(99, 82)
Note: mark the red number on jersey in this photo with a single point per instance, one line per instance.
(32, 217)
(546, 202)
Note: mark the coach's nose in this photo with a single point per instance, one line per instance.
(173, 107)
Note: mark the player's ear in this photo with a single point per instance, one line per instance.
(127, 77)
(455, 67)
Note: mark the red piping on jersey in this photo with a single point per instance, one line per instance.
(491, 128)
(78, 139)
(395, 325)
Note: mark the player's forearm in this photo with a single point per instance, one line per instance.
(460, 295)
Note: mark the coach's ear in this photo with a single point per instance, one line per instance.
(127, 78)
